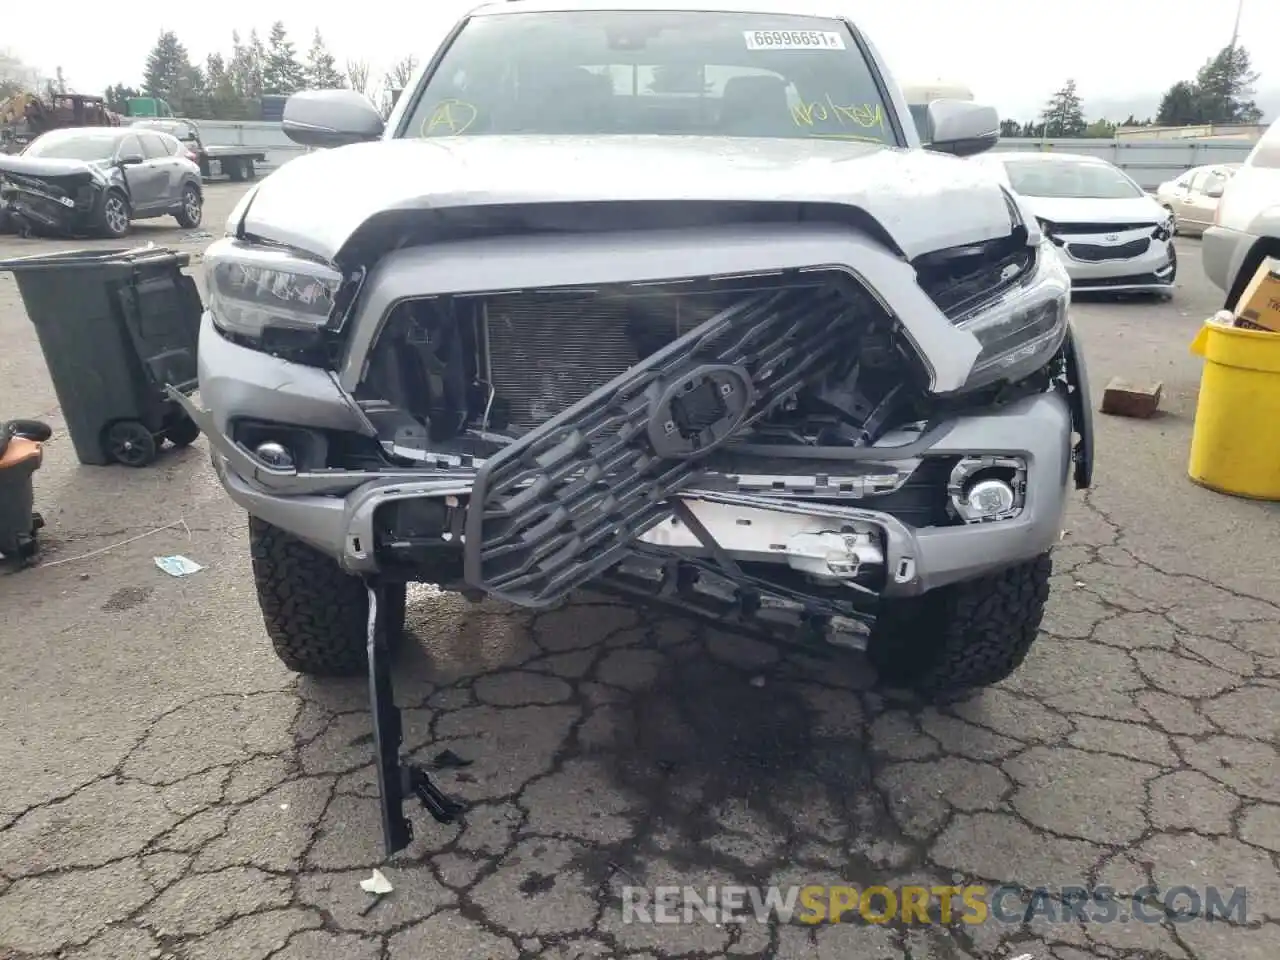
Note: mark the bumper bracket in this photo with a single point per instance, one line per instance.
(397, 778)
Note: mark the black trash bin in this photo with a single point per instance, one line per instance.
(116, 327)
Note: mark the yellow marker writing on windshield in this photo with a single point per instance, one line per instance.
(863, 116)
(449, 118)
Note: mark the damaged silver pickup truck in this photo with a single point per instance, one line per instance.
(667, 303)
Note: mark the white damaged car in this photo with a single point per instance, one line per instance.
(1113, 236)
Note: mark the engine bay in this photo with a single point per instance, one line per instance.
(454, 377)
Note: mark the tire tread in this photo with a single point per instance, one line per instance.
(314, 612)
(966, 636)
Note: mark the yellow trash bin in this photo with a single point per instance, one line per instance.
(1235, 445)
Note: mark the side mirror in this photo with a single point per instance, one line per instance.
(1215, 192)
(130, 159)
(331, 118)
(961, 128)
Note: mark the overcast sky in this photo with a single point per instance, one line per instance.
(1013, 53)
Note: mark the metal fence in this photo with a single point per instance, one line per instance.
(1150, 162)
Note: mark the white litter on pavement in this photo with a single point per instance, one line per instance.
(377, 884)
(177, 566)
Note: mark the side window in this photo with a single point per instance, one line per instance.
(153, 146)
(129, 146)
(1215, 178)
(1184, 181)
(1198, 181)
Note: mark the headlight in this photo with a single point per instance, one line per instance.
(1022, 329)
(255, 291)
(1050, 230)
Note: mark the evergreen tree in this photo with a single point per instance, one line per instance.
(1010, 128)
(321, 68)
(281, 71)
(1224, 87)
(1222, 92)
(245, 67)
(224, 102)
(1063, 115)
(169, 75)
(1180, 105)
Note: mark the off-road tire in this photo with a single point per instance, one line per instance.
(962, 637)
(316, 614)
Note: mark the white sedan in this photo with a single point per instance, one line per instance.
(1193, 197)
(1113, 236)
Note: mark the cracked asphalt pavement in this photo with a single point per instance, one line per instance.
(170, 791)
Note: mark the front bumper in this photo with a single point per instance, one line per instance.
(1151, 271)
(51, 210)
(1222, 250)
(597, 510)
(335, 511)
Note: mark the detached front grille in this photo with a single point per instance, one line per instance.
(1097, 253)
(561, 504)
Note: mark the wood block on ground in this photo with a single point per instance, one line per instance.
(1124, 398)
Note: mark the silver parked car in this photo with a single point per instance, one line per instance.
(1246, 226)
(666, 303)
(1113, 236)
(1192, 199)
(98, 180)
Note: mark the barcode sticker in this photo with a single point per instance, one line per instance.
(793, 40)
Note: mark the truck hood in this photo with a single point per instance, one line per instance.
(923, 201)
(1088, 210)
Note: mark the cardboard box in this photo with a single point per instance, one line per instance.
(1259, 305)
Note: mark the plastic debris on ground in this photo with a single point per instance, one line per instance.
(377, 884)
(178, 566)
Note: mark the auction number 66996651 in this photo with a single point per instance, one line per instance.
(793, 40)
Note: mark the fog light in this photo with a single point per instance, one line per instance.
(987, 488)
(990, 498)
(274, 455)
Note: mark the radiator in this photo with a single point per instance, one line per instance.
(549, 350)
